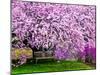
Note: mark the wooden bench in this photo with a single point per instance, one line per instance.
(43, 55)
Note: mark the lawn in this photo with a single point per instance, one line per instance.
(50, 66)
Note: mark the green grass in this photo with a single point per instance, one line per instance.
(50, 66)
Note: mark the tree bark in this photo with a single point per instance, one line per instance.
(33, 48)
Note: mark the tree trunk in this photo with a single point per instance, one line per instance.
(29, 45)
(33, 50)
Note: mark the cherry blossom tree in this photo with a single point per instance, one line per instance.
(64, 28)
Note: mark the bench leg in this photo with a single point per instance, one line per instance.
(36, 61)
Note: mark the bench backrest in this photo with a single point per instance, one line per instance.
(44, 54)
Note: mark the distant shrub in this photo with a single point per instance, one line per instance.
(17, 52)
(90, 55)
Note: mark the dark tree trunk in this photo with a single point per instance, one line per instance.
(33, 48)
(86, 60)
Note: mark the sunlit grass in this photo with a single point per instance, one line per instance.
(50, 66)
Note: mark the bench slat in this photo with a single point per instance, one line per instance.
(44, 57)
